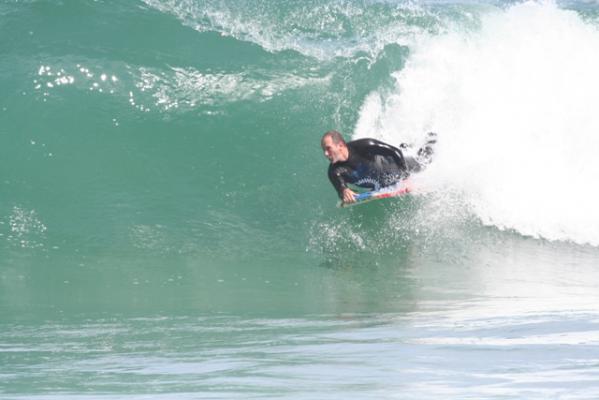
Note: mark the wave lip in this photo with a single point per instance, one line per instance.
(322, 31)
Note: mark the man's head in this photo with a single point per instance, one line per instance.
(334, 147)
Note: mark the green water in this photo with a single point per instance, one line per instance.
(167, 229)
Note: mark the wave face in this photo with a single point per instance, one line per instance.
(156, 142)
(183, 127)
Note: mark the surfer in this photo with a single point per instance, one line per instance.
(370, 163)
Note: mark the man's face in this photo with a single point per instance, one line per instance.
(334, 152)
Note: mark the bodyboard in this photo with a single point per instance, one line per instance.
(401, 188)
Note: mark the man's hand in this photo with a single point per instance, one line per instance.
(348, 196)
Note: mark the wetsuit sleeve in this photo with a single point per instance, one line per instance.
(336, 178)
(372, 147)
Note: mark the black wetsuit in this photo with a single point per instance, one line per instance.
(371, 164)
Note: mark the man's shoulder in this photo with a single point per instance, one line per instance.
(367, 146)
(339, 168)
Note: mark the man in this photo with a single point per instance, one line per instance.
(369, 163)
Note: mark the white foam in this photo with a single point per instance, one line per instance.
(514, 104)
(323, 31)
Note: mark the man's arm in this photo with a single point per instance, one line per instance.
(336, 178)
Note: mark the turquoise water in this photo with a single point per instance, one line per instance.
(167, 229)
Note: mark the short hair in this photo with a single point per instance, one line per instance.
(335, 136)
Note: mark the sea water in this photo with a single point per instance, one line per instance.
(168, 231)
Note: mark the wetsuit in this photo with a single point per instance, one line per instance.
(371, 164)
